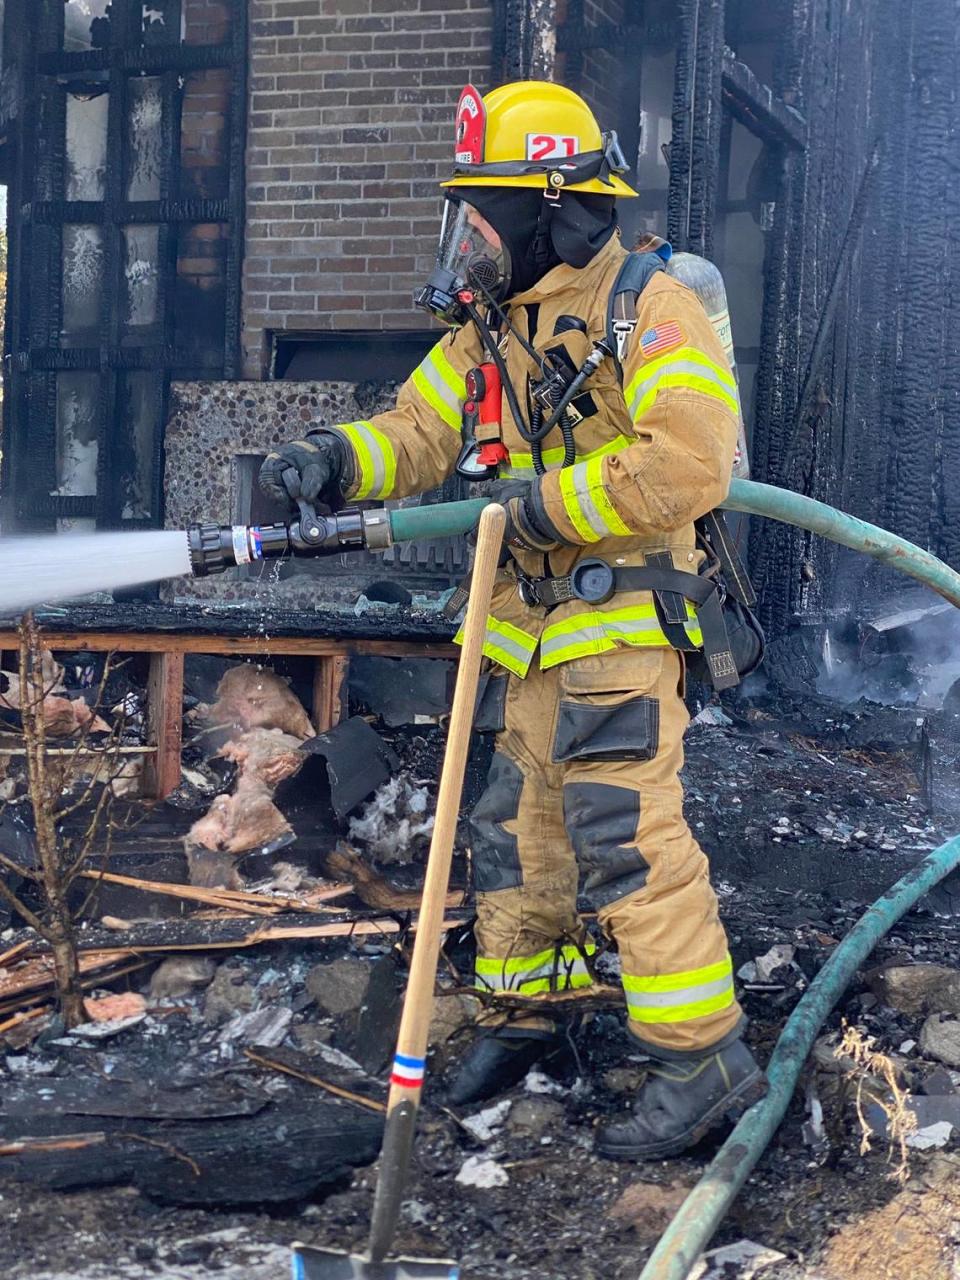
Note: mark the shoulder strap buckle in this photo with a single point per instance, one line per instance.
(633, 277)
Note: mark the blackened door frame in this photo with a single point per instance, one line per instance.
(39, 211)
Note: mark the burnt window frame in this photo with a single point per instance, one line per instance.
(36, 354)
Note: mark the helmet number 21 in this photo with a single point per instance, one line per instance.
(551, 146)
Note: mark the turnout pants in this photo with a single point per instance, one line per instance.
(583, 788)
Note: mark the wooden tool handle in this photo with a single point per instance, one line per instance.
(406, 1081)
(409, 1064)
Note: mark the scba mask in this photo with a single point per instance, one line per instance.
(471, 256)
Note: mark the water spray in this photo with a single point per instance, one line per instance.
(45, 569)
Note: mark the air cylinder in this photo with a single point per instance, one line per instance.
(707, 283)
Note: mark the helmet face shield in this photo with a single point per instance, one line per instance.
(472, 251)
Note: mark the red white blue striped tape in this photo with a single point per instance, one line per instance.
(408, 1072)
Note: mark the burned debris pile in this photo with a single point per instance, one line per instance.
(243, 949)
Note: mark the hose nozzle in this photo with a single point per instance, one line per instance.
(215, 548)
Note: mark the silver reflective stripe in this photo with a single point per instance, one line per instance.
(587, 506)
(435, 378)
(679, 366)
(509, 645)
(597, 633)
(685, 995)
(377, 460)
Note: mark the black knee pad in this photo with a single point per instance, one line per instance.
(601, 821)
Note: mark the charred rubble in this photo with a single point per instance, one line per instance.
(244, 954)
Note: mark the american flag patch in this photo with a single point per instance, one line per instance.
(664, 337)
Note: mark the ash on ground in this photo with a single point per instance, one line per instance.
(808, 809)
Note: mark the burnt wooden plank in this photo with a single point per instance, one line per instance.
(50, 1106)
(164, 724)
(306, 646)
(287, 1151)
(329, 681)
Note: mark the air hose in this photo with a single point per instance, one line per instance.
(702, 1211)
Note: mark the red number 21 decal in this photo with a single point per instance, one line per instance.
(551, 146)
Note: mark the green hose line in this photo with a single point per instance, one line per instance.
(702, 1211)
(444, 520)
(699, 1216)
(806, 513)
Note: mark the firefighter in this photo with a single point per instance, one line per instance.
(584, 687)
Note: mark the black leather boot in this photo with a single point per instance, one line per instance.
(681, 1101)
(496, 1062)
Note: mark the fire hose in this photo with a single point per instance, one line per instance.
(214, 548)
(704, 1208)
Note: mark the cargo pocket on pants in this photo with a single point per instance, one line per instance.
(490, 713)
(609, 709)
(496, 859)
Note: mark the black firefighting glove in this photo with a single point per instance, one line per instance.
(528, 526)
(312, 468)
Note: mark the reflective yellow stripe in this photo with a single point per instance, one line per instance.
(686, 367)
(524, 964)
(679, 981)
(506, 644)
(522, 463)
(569, 494)
(375, 458)
(684, 1012)
(555, 969)
(596, 632)
(602, 501)
(678, 997)
(586, 503)
(441, 386)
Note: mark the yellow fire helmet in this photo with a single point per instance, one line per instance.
(535, 134)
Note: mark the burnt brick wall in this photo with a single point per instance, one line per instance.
(350, 127)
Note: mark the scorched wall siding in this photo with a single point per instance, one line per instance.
(350, 127)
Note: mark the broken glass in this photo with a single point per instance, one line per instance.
(144, 138)
(204, 151)
(86, 25)
(86, 151)
(139, 403)
(140, 275)
(206, 21)
(78, 444)
(82, 284)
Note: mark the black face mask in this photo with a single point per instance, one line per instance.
(581, 225)
(573, 231)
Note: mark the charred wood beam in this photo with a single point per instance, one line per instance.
(184, 629)
(56, 212)
(219, 1161)
(828, 313)
(11, 94)
(164, 724)
(697, 121)
(524, 41)
(149, 58)
(94, 359)
(759, 107)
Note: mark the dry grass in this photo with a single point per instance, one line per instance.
(901, 1121)
(913, 1237)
